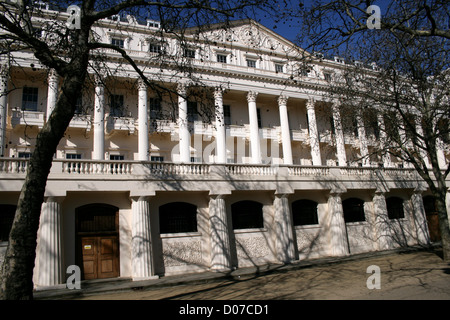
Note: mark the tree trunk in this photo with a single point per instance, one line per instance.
(443, 225)
(17, 270)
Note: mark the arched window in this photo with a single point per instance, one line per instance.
(353, 210)
(304, 212)
(7, 213)
(247, 214)
(177, 217)
(395, 208)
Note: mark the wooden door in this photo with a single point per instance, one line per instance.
(433, 226)
(429, 203)
(100, 257)
(97, 228)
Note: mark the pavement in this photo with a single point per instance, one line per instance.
(406, 273)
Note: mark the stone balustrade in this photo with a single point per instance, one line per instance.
(127, 168)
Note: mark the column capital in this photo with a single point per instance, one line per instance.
(379, 193)
(182, 89)
(216, 194)
(310, 103)
(251, 96)
(282, 195)
(99, 80)
(218, 93)
(142, 86)
(282, 100)
(52, 75)
(58, 199)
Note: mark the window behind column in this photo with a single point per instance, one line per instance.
(30, 98)
(192, 112)
(117, 105)
(227, 114)
(155, 108)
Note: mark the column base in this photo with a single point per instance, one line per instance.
(145, 278)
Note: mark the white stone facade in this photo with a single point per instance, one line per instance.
(267, 143)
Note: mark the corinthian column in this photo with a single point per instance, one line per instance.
(285, 131)
(362, 139)
(4, 75)
(254, 129)
(221, 149)
(52, 94)
(185, 137)
(339, 133)
(313, 133)
(143, 122)
(99, 121)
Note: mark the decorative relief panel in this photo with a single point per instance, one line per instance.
(310, 240)
(252, 248)
(178, 253)
(360, 238)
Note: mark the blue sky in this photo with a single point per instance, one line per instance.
(290, 29)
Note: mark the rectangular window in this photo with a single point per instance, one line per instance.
(116, 157)
(189, 53)
(227, 114)
(30, 98)
(73, 156)
(222, 58)
(279, 68)
(155, 48)
(116, 105)
(251, 63)
(327, 77)
(155, 108)
(118, 42)
(25, 155)
(156, 158)
(192, 111)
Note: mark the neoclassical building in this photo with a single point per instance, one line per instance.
(145, 184)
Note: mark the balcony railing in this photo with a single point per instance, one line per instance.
(81, 121)
(17, 167)
(27, 118)
(121, 124)
(83, 167)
